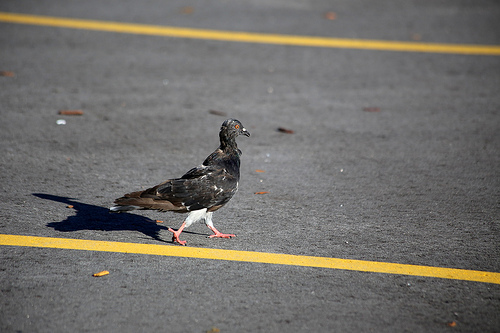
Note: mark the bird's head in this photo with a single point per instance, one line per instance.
(231, 128)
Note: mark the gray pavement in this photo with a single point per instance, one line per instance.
(415, 183)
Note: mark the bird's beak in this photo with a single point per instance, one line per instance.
(245, 132)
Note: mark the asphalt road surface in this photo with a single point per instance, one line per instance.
(394, 158)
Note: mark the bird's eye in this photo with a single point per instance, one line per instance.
(236, 126)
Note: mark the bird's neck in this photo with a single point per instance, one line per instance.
(227, 144)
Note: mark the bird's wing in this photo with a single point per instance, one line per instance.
(201, 187)
(170, 195)
(206, 186)
(200, 172)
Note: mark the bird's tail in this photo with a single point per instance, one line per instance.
(119, 209)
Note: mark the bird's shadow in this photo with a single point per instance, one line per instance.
(91, 217)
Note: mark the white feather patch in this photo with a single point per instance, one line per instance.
(123, 208)
(208, 219)
(196, 215)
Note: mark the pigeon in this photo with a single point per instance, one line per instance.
(201, 191)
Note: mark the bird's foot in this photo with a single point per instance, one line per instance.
(218, 234)
(175, 236)
(221, 235)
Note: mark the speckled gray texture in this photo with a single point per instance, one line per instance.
(415, 183)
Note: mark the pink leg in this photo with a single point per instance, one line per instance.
(218, 234)
(176, 234)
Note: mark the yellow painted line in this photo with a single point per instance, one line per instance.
(249, 256)
(249, 37)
